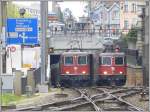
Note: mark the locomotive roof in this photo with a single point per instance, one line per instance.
(74, 52)
(112, 54)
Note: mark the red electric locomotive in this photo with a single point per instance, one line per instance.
(111, 69)
(75, 68)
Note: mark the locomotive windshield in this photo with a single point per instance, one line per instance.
(68, 60)
(106, 60)
(118, 60)
(82, 60)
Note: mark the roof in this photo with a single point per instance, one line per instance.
(108, 3)
(52, 13)
(56, 24)
(75, 52)
(112, 54)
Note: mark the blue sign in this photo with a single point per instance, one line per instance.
(22, 31)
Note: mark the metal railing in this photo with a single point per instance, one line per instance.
(90, 32)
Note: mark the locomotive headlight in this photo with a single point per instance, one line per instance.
(84, 72)
(75, 68)
(67, 72)
(121, 72)
(105, 72)
(113, 69)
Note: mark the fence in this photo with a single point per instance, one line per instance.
(100, 32)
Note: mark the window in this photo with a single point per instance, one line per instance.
(101, 15)
(133, 7)
(126, 24)
(115, 14)
(68, 60)
(106, 60)
(118, 60)
(100, 60)
(121, 6)
(125, 8)
(82, 60)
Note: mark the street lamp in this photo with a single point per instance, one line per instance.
(22, 12)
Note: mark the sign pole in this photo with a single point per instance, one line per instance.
(3, 13)
(1, 66)
(44, 15)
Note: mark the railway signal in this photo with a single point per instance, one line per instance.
(51, 50)
(117, 48)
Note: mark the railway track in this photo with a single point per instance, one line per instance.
(94, 99)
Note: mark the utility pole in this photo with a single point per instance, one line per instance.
(44, 17)
(3, 14)
(89, 11)
(1, 71)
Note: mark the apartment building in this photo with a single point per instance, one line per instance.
(129, 13)
(126, 12)
(106, 16)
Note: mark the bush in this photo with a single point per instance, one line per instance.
(132, 35)
(8, 98)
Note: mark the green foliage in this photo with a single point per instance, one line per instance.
(7, 98)
(132, 35)
(13, 12)
(61, 17)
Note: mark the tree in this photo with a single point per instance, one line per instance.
(67, 13)
(13, 11)
(132, 35)
(61, 17)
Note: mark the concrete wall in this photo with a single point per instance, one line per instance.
(7, 81)
(18, 83)
(134, 76)
(146, 44)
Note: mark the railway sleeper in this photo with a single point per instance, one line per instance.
(114, 109)
(71, 106)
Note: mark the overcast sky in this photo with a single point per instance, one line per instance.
(75, 7)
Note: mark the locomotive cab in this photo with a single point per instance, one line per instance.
(74, 68)
(112, 68)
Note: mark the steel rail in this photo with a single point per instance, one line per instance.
(90, 100)
(76, 102)
(120, 98)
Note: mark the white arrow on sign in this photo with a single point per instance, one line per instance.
(23, 36)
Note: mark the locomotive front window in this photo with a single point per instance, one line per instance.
(68, 60)
(82, 60)
(118, 60)
(106, 60)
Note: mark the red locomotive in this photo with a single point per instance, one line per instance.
(74, 68)
(111, 68)
(77, 68)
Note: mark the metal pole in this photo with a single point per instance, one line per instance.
(44, 14)
(3, 13)
(1, 66)
(89, 11)
(0, 17)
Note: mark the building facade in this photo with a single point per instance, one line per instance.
(129, 12)
(106, 16)
(117, 14)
